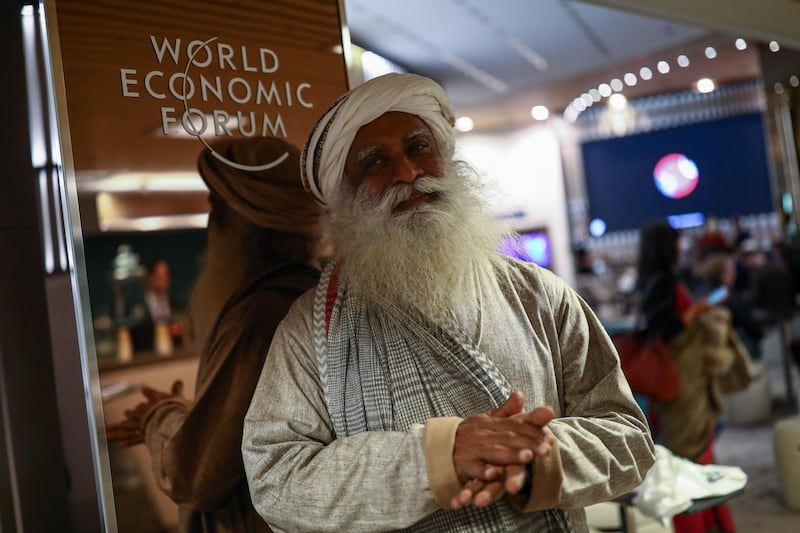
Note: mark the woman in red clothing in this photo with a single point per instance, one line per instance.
(686, 424)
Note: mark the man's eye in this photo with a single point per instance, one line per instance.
(421, 145)
(373, 164)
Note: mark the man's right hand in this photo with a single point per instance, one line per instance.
(492, 449)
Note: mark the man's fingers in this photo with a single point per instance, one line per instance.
(541, 416)
(477, 470)
(465, 496)
(149, 391)
(515, 478)
(511, 407)
(489, 494)
(154, 395)
(487, 464)
(544, 447)
(503, 437)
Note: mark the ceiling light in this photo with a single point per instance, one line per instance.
(683, 61)
(630, 79)
(645, 73)
(741, 44)
(774, 46)
(779, 88)
(595, 94)
(143, 182)
(587, 99)
(605, 89)
(155, 223)
(705, 85)
(464, 124)
(528, 54)
(711, 52)
(616, 84)
(794, 81)
(617, 102)
(570, 114)
(663, 67)
(540, 112)
(578, 104)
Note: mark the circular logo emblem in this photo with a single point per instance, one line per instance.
(197, 132)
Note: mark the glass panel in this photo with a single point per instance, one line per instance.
(138, 89)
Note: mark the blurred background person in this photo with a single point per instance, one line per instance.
(771, 286)
(719, 270)
(713, 239)
(263, 252)
(159, 328)
(590, 285)
(686, 424)
(748, 258)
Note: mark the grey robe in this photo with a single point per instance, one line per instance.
(543, 338)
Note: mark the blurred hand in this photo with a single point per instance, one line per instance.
(130, 431)
(696, 309)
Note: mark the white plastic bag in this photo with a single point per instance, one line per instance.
(674, 482)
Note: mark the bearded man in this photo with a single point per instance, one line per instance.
(263, 242)
(393, 393)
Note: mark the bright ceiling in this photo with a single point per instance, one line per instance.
(500, 58)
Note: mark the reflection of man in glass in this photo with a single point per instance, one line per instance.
(157, 329)
(262, 245)
(156, 295)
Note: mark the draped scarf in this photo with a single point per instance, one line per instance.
(385, 369)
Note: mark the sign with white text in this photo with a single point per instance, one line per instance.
(149, 84)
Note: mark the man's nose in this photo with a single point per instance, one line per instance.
(406, 171)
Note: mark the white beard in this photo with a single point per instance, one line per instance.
(426, 256)
(224, 270)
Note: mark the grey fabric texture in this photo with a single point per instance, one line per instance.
(383, 384)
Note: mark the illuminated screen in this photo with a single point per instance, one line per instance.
(714, 168)
(532, 246)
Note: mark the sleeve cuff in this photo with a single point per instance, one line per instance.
(172, 401)
(548, 474)
(440, 436)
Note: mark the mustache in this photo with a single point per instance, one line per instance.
(401, 192)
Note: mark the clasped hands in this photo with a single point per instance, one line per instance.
(130, 431)
(492, 451)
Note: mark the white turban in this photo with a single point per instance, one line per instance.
(323, 159)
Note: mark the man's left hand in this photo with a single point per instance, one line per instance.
(130, 431)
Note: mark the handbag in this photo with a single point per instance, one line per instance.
(646, 361)
(647, 365)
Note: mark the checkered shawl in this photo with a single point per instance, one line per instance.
(386, 369)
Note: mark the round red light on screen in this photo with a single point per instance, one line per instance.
(675, 176)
